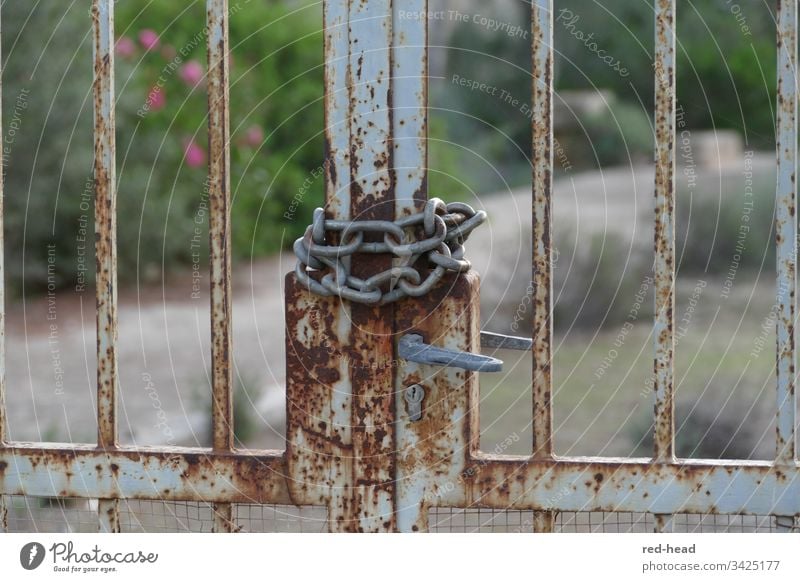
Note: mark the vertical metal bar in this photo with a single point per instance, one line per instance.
(337, 106)
(371, 197)
(3, 427)
(220, 239)
(319, 388)
(786, 230)
(664, 229)
(663, 523)
(409, 105)
(410, 157)
(664, 431)
(542, 127)
(106, 240)
(337, 203)
(108, 515)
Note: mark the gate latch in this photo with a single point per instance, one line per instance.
(414, 349)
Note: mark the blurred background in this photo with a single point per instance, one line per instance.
(479, 142)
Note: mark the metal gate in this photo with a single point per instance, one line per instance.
(379, 438)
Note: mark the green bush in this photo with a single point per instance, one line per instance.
(621, 134)
(276, 124)
(276, 134)
(721, 57)
(725, 78)
(47, 143)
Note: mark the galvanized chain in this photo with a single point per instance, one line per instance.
(445, 228)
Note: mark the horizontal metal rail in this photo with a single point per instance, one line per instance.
(166, 473)
(499, 482)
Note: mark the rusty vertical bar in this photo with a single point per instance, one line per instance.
(542, 127)
(409, 105)
(220, 239)
(3, 428)
(664, 265)
(337, 106)
(319, 387)
(410, 167)
(786, 230)
(105, 216)
(663, 523)
(664, 229)
(337, 202)
(371, 198)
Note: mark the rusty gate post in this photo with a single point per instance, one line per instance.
(350, 443)
(340, 408)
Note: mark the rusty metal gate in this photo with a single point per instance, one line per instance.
(379, 436)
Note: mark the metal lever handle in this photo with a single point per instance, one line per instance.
(505, 342)
(414, 349)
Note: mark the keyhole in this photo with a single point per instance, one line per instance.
(414, 395)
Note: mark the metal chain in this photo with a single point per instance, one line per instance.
(445, 228)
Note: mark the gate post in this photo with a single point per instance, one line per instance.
(350, 443)
(340, 407)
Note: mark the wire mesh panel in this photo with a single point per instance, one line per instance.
(139, 516)
(280, 518)
(190, 516)
(456, 520)
(76, 515)
(713, 523)
(51, 515)
(604, 521)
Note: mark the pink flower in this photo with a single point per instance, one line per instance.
(195, 155)
(254, 136)
(148, 39)
(191, 73)
(125, 47)
(156, 99)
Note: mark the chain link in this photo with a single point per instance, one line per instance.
(445, 227)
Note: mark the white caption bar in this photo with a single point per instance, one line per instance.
(399, 557)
